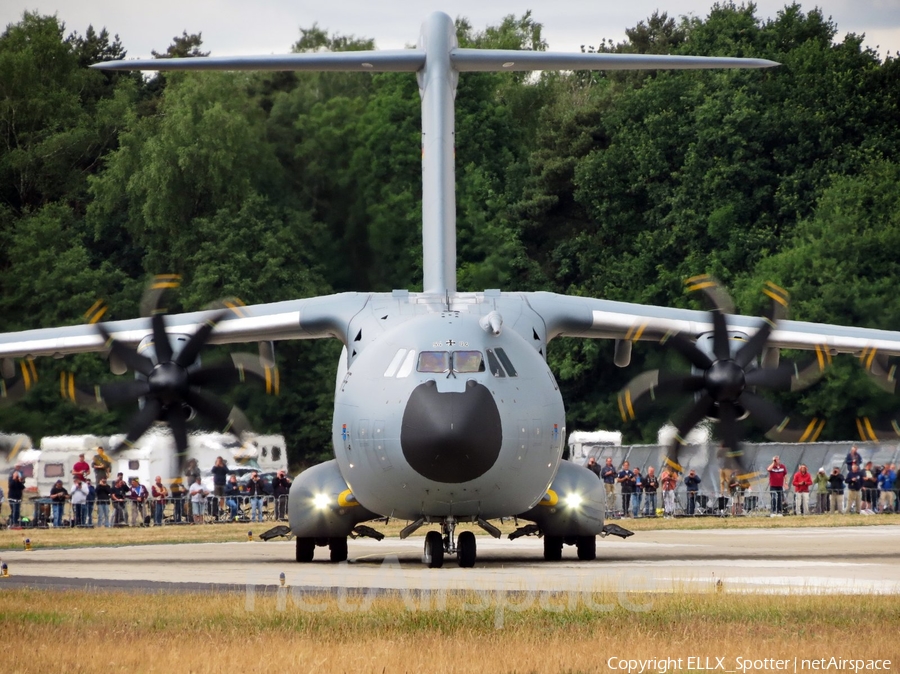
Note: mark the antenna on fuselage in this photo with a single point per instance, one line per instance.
(437, 61)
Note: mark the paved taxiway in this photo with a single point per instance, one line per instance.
(852, 559)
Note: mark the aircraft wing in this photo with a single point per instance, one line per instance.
(311, 318)
(567, 316)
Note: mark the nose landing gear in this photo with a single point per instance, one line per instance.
(437, 544)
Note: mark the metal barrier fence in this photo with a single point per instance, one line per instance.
(757, 456)
(683, 503)
(44, 512)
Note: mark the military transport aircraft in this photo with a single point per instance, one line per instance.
(445, 410)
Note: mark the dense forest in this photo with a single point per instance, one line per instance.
(272, 186)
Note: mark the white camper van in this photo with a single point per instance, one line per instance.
(582, 442)
(153, 455)
(58, 456)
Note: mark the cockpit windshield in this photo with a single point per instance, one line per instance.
(445, 361)
(468, 361)
(434, 361)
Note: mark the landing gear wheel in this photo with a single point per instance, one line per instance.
(465, 549)
(587, 548)
(306, 548)
(553, 546)
(434, 550)
(338, 548)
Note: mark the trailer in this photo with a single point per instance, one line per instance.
(153, 454)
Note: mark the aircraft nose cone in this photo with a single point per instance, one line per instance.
(451, 437)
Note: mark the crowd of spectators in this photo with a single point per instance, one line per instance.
(76, 504)
(855, 487)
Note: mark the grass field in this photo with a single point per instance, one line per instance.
(214, 533)
(90, 632)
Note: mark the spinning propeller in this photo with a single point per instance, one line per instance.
(724, 378)
(884, 375)
(16, 379)
(169, 380)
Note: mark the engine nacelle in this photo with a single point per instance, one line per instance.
(574, 504)
(321, 504)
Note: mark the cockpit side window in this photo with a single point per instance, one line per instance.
(434, 361)
(494, 364)
(468, 361)
(507, 363)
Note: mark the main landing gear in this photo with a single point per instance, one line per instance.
(437, 544)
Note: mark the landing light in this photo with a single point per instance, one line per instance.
(573, 500)
(321, 501)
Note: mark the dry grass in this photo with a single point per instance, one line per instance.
(86, 632)
(54, 538)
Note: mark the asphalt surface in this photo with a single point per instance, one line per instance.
(807, 560)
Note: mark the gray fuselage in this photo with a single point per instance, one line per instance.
(439, 412)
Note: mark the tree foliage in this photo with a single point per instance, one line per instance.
(271, 186)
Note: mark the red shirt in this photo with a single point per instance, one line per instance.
(81, 468)
(777, 475)
(802, 483)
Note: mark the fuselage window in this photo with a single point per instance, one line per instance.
(468, 361)
(434, 361)
(494, 364)
(510, 370)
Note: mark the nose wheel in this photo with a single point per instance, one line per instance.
(434, 550)
(437, 544)
(465, 550)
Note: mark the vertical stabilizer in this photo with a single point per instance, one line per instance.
(437, 87)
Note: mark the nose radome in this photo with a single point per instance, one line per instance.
(451, 437)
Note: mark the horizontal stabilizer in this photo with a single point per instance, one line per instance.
(389, 60)
(483, 60)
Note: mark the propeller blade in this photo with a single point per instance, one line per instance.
(14, 387)
(158, 286)
(161, 342)
(777, 307)
(9, 453)
(778, 426)
(879, 369)
(228, 419)
(190, 351)
(686, 347)
(122, 392)
(694, 416)
(721, 348)
(81, 396)
(242, 365)
(886, 428)
(132, 359)
(790, 376)
(139, 424)
(717, 297)
(729, 432)
(654, 384)
(175, 416)
(777, 310)
(755, 345)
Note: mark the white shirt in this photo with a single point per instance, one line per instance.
(196, 491)
(79, 494)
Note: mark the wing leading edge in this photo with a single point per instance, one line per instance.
(312, 318)
(567, 316)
